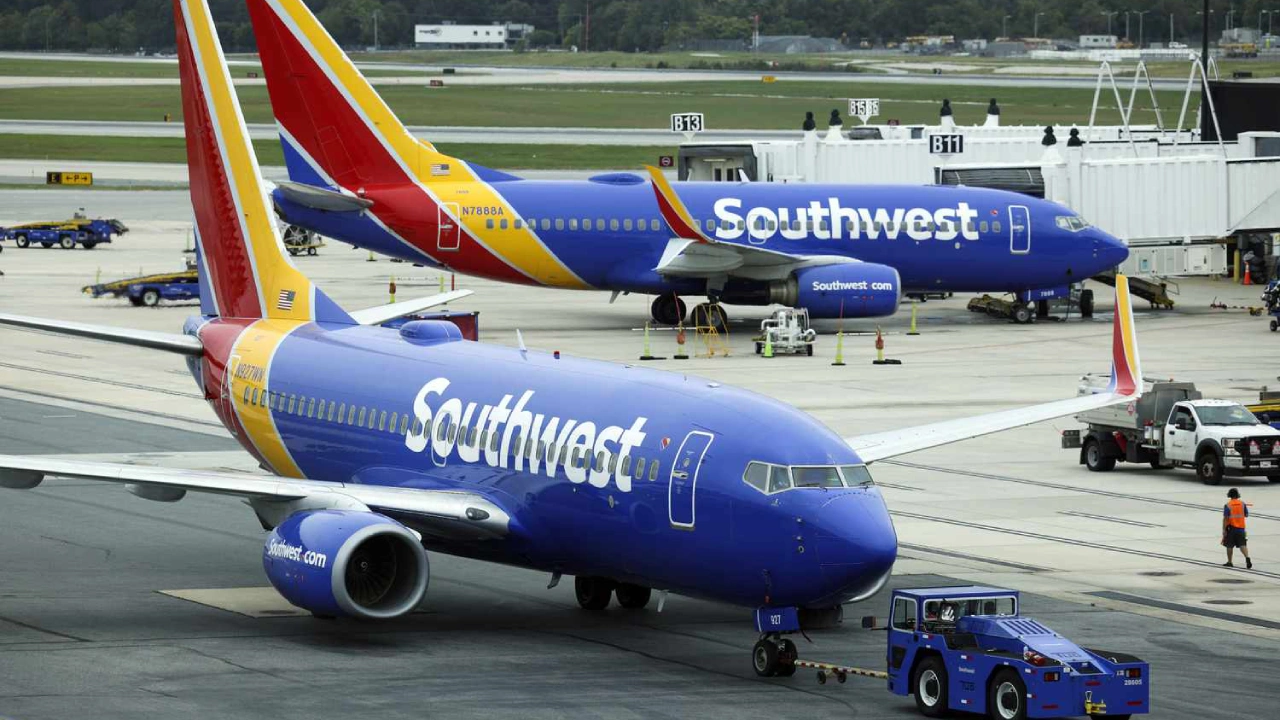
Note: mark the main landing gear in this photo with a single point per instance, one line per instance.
(669, 309)
(594, 593)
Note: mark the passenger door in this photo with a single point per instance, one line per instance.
(1019, 230)
(684, 479)
(449, 229)
(1180, 434)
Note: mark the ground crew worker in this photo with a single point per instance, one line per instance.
(1233, 536)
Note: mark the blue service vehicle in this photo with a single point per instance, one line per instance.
(968, 648)
(149, 290)
(79, 230)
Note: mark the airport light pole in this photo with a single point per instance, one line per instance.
(1035, 31)
(1110, 15)
(1260, 14)
(1170, 29)
(1141, 34)
(1005, 26)
(375, 30)
(1127, 13)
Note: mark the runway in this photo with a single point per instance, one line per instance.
(1123, 560)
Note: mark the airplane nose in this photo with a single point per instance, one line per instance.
(857, 544)
(1110, 250)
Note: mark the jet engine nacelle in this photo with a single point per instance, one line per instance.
(851, 290)
(347, 563)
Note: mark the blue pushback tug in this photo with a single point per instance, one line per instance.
(967, 648)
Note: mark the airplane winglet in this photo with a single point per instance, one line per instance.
(677, 217)
(1126, 368)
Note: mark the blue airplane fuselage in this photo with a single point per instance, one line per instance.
(453, 414)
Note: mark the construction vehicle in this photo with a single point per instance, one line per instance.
(1240, 50)
(149, 290)
(787, 331)
(1173, 426)
(65, 233)
(969, 648)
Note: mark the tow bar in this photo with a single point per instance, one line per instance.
(840, 672)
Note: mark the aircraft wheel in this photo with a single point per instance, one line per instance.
(668, 309)
(1022, 314)
(711, 315)
(764, 658)
(21, 241)
(1086, 303)
(930, 687)
(593, 593)
(632, 597)
(787, 656)
(1007, 698)
(151, 298)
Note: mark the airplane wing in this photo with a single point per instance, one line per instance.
(1125, 386)
(693, 253)
(382, 313)
(445, 512)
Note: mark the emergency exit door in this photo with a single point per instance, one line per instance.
(684, 479)
(1019, 230)
(449, 235)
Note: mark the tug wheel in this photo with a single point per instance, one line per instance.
(1007, 698)
(930, 687)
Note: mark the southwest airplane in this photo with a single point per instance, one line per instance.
(357, 174)
(383, 444)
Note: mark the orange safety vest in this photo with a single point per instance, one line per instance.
(1235, 517)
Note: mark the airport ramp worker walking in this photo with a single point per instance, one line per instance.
(1233, 535)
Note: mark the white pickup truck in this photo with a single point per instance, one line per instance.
(1171, 425)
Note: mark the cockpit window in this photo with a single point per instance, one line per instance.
(770, 479)
(779, 479)
(757, 476)
(819, 477)
(1074, 223)
(857, 475)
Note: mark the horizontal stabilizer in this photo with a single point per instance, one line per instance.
(316, 198)
(382, 313)
(170, 342)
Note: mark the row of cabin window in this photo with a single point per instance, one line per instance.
(328, 410)
(625, 224)
(477, 437)
(760, 224)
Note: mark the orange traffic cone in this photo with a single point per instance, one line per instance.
(880, 358)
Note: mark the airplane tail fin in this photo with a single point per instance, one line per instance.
(1126, 367)
(244, 270)
(336, 130)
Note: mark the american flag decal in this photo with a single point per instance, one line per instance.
(286, 299)
(440, 169)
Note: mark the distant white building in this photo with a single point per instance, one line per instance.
(1090, 42)
(474, 37)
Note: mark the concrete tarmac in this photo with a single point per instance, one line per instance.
(1126, 560)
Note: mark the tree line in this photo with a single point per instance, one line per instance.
(629, 25)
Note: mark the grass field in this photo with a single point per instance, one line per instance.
(864, 61)
(727, 104)
(22, 67)
(173, 150)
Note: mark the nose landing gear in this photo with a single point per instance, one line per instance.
(774, 656)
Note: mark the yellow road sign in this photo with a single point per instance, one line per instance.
(68, 178)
